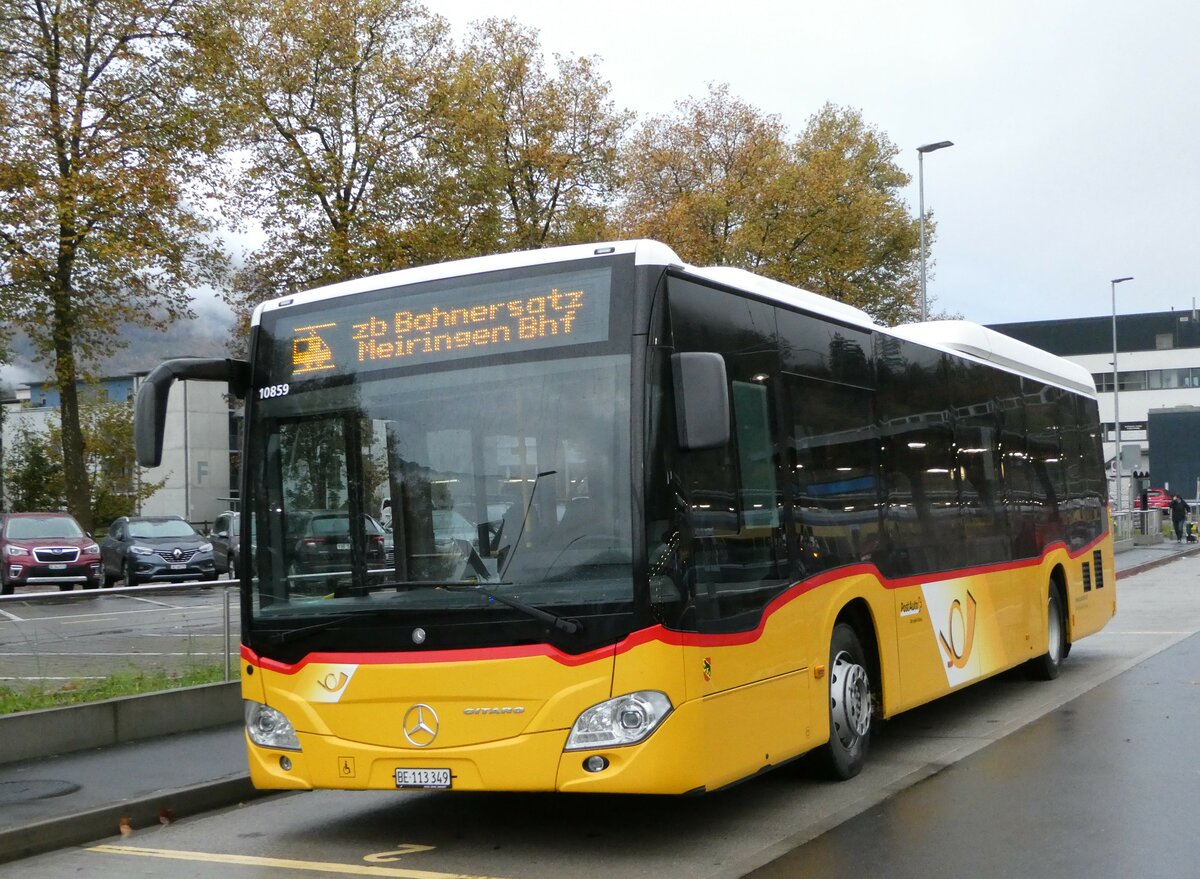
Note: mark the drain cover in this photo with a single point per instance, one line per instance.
(34, 789)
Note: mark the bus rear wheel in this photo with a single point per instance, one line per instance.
(850, 706)
(1047, 666)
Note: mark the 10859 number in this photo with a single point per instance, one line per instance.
(271, 391)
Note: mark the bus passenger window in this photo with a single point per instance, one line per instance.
(832, 471)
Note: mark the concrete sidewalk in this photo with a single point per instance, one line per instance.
(73, 798)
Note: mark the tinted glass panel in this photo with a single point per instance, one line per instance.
(822, 349)
(737, 545)
(832, 462)
(922, 531)
(979, 394)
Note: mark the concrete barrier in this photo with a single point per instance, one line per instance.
(29, 735)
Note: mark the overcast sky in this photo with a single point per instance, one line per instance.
(1075, 124)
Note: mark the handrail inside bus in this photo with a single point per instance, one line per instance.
(150, 411)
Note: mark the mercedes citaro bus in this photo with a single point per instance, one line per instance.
(651, 527)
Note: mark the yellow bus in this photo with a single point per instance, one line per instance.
(650, 527)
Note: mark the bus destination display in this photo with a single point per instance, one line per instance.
(409, 329)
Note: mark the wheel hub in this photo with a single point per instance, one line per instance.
(849, 699)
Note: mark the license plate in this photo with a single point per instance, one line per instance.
(57, 567)
(178, 567)
(425, 779)
(343, 546)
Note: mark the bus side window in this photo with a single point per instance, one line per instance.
(832, 471)
(737, 551)
(920, 506)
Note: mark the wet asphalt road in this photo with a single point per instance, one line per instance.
(1105, 787)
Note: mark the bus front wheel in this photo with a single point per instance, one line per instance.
(850, 706)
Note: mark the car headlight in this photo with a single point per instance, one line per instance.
(92, 548)
(270, 728)
(15, 550)
(624, 720)
(205, 547)
(141, 550)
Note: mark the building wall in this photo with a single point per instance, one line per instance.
(196, 444)
(195, 459)
(1175, 438)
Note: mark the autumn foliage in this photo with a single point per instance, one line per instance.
(350, 137)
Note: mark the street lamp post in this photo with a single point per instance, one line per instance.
(921, 151)
(1116, 388)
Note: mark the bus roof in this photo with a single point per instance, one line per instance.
(960, 337)
(964, 337)
(645, 252)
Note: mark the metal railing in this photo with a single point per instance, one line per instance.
(58, 638)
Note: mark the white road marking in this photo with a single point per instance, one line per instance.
(282, 863)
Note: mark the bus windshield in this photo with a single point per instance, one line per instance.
(445, 491)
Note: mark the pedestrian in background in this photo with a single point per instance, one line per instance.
(1179, 513)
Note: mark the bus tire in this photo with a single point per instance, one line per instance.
(850, 707)
(1047, 666)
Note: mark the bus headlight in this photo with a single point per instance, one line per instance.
(624, 720)
(270, 728)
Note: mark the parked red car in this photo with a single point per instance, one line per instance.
(1155, 497)
(46, 549)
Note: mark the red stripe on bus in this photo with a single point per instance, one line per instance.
(657, 633)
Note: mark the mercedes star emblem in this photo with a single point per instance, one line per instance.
(420, 725)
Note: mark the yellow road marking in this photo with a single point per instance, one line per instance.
(282, 863)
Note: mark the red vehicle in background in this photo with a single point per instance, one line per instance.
(1155, 497)
(44, 549)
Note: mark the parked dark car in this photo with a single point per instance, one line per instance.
(46, 549)
(321, 542)
(158, 548)
(226, 539)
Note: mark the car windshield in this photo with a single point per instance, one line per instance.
(150, 529)
(39, 527)
(328, 524)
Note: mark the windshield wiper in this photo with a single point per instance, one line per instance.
(524, 519)
(283, 637)
(563, 624)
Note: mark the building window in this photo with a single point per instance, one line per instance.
(1133, 381)
(1164, 341)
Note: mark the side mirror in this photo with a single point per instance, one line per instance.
(701, 400)
(150, 410)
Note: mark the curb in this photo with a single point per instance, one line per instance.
(1154, 563)
(140, 814)
(31, 735)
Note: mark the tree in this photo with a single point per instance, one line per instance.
(34, 471)
(846, 231)
(33, 478)
(723, 184)
(696, 179)
(329, 103)
(101, 148)
(531, 153)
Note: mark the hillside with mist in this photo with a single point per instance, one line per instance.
(206, 335)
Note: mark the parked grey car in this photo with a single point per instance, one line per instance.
(226, 539)
(154, 548)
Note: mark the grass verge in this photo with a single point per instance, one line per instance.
(124, 684)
